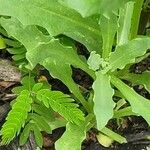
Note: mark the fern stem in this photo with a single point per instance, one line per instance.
(136, 18)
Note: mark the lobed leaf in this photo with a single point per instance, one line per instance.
(139, 104)
(103, 103)
(56, 18)
(126, 53)
(54, 56)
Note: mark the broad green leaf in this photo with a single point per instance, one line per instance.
(126, 54)
(139, 104)
(90, 7)
(56, 18)
(72, 138)
(103, 103)
(53, 56)
(84, 7)
(62, 104)
(143, 79)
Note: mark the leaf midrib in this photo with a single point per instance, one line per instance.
(97, 32)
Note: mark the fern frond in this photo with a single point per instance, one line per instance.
(47, 113)
(17, 116)
(62, 104)
(31, 126)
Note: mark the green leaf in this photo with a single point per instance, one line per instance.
(41, 122)
(126, 54)
(25, 134)
(109, 28)
(124, 112)
(37, 87)
(142, 79)
(13, 124)
(94, 61)
(50, 14)
(61, 73)
(27, 83)
(62, 104)
(47, 113)
(2, 43)
(38, 136)
(16, 50)
(72, 138)
(125, 16)
(90, 7)
(139, 104)
(103, 103)
(51, 59)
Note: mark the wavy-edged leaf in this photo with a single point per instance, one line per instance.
(13, 125)
(103, 103)
(126, 54)
(62, 104)
(56, 18)
(139, 104)
(50, 58)
(74, 135)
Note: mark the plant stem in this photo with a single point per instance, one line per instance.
(136, 18)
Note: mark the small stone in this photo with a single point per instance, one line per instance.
(8, 72)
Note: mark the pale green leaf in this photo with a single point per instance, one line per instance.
(109, 28)
(94, 61)
(90, 7)
(72, 138)
(103, 103)
(54, 56)
(56, 18)
(125, 16)
(139, 104)
(126, 54)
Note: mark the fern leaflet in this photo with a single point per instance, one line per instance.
(62, 104)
